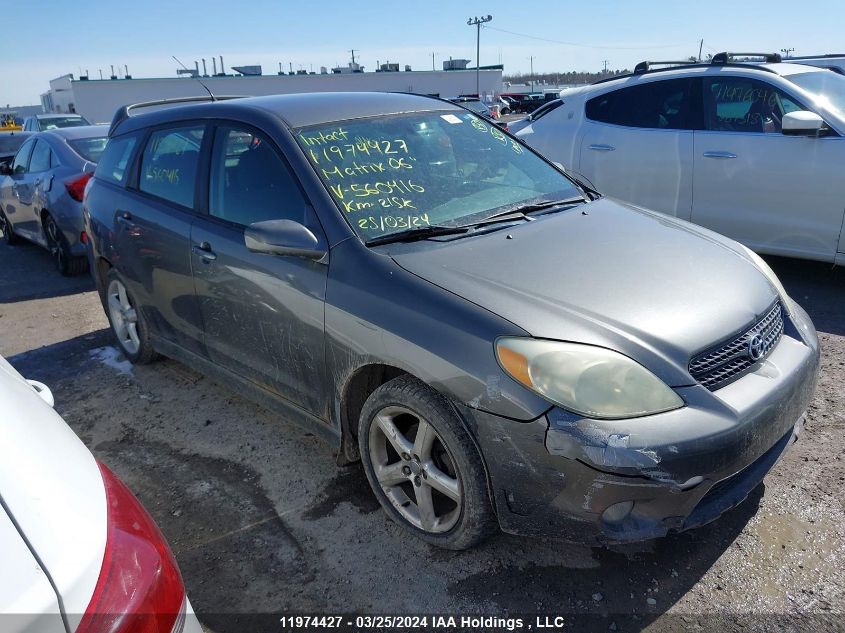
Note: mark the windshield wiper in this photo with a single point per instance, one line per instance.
(419, 233)
(521, 212)
(548, 204)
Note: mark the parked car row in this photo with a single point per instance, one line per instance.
(439, 300)
(277, 244)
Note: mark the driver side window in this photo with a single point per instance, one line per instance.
(250, 182)
(739, 104)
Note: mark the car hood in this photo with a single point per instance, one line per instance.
(52, 487)
(652, 287)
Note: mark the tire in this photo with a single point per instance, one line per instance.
(403, 471)
(68, 265)
(128, 324)
(8, 233)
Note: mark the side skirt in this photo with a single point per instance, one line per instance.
(258, 394)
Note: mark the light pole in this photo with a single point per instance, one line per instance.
(532, 73)
(477, 22)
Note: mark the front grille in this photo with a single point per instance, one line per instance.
(728, 361)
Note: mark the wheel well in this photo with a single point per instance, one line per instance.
(358, 388)
(103, 267)
(43, 216)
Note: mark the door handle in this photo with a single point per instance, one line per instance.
(719, 155)
(125, 218)
(204, 251)
(601, 147)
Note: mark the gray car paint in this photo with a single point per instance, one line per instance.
(611, 275)
(653, 288)
(25, 198)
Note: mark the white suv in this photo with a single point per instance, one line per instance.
(752, 150)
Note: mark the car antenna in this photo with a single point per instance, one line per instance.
(195, 76)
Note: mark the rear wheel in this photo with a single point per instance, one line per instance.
(127, 322)
(423, 466)
(67, 264)
(8, 233)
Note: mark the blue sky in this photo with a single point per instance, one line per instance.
(92, 34)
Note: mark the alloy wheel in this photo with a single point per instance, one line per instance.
(4, 226)
(123, 316)
(55, 245)
(415, 470)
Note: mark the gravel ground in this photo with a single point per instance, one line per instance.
(261, 519)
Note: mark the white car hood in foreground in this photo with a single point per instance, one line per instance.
(52, 487)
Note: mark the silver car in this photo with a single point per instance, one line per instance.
(41, 192)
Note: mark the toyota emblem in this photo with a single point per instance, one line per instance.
(755, 347)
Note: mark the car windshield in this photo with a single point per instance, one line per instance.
(827, 88)
(89, 148)
(399, 172)
(54, 122)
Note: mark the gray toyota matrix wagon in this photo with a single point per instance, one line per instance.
(496, 342)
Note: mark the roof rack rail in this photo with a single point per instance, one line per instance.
(123, 112)
(726, 58)
(644, 67)
(825, 56)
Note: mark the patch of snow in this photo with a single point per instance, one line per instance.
(112, 357)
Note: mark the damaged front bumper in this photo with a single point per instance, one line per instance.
(627, 480)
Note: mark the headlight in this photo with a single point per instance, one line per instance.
(771, 276)
(592, 381)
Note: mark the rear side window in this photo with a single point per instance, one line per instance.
(115, 159)
(250, 182)
(40, 160)
(657, 104)
(169, 164)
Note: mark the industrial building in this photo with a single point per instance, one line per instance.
(97, 99)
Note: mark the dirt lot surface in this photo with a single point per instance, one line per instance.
(262, 520)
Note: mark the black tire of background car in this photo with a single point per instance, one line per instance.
(477, 521)
(67, 264)
(8, 234)
(146, 353)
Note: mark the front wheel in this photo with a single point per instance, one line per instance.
(423, 466)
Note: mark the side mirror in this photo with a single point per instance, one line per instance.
(283, 237)
(802, 123)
